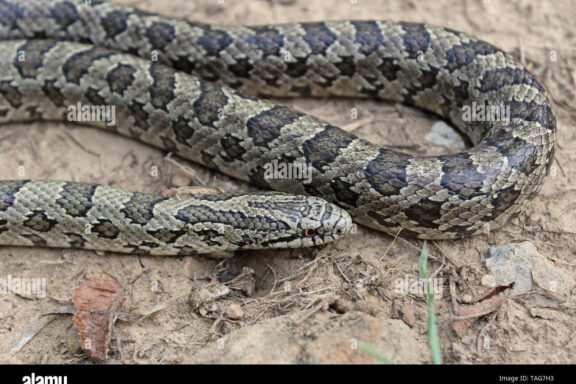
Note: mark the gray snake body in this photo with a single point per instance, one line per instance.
(221, 127)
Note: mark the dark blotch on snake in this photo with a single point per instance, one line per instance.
(521, 155)
(208, 106)
(387, 172)
(494, 79)
(532, 112)
(115, 23)
(35, 239)
(140, 115)
(318, 37)
(94, 97)
(210, 237)
(160, 35)
(75, 240)
(232, 148)
(76, 198)
(465, 54)
(213, 41)
(140, 208)
(297, 67)
(265, 127)
(389, 68)
(346, 65)
(241, 68)
(167, 236)
(39, 221)
(162, 88)
(267, 39)
(425, 213)
(344, 192)
(503, 200)
(416, 39)
(10, 94)
(105, 229)
(460, 175)
(182, 129)
(53, 93)
(368, 35)
(30, 57)
(10, 14)
(426, 80)
(120, 78)
(65, 14)
(8, 191)
(325, 146)
(78, 64)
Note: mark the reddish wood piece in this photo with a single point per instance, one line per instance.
(95, 302)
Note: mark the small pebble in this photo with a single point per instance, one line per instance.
(341, 305)
(468, 339)
(207, 294)
(467, 298)
(488, 281)
(408, 316)
(180, 180)
(446, 136)
(234, 312)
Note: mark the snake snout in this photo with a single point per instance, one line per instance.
(327, 223)
(344, 224)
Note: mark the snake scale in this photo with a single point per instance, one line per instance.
(190, 88)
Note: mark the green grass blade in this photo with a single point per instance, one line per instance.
(433, 339)
(377, 355)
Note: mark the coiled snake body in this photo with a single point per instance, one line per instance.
(58, 53)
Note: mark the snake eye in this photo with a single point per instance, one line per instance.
(310, 232)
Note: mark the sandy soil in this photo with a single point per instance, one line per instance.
(358, 273)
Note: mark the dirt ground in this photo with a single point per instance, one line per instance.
(309, 306)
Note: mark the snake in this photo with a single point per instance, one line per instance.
(199, 91)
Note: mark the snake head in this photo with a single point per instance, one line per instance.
(322, 222)
(288, 221)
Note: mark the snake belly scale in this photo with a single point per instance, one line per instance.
(198, 101)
